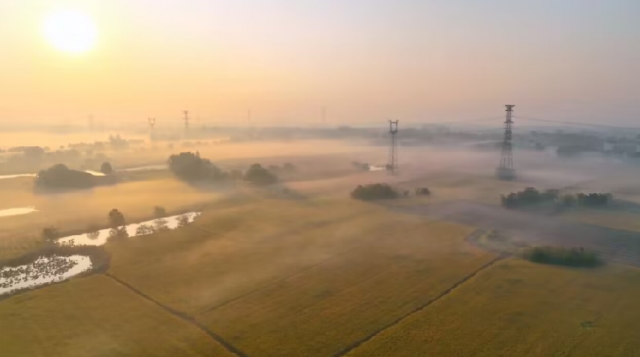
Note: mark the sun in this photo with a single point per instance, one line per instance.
(70, 31)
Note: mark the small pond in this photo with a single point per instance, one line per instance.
(100, 237)
(44, 270)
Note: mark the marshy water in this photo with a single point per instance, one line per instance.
(44, 270)
(16, 211)
(134, 229)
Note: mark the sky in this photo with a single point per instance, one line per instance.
(364, 60)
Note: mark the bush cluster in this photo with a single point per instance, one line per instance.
(378, 191)
(529, 196)
(574, 257)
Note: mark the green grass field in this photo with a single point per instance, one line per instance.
(516, 308)
(95, 316)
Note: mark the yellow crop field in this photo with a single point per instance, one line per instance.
(96, 316)
(275, 278)
(517, 308)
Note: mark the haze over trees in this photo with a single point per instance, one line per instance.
(60, 176)
(190, 167)
(258, 175)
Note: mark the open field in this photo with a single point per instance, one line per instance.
(251, 273)
(313, 273)
(95, 316)
(516, 308)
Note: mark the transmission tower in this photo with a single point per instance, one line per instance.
(152, 125)
(392, 163)
(186, 119)
(506, 171)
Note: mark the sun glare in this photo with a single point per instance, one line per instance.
(70, 31)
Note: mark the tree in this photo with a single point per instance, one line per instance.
(116, 218)
(289, 168)
(60, 176)
(159, 211)
(183, 220)
(106, 168)
(258, 175)
(50, 234)
(191, 167)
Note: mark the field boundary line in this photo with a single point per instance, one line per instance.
(182, 316)
(399, 320)
(278, 281)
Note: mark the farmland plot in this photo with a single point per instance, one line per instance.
(517, 308)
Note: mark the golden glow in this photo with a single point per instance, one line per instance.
(70, 31)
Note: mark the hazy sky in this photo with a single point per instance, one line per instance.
(366, 60)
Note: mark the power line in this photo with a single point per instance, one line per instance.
(565, 122)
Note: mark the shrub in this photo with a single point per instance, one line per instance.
(423, 191)
(258, 175)
(183, 220)
(594, 199)
(144, 229)
(376, 191)
(116, 218)
(191, 167)
(160, 224)
(289, 168)
(574, 257)
(159, 211)
(50, 234)
(106, 168)
(529, 196)
(118, 233)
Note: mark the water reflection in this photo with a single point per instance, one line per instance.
(134, 229)
(43, 270)
(17, 211)
(3, 177)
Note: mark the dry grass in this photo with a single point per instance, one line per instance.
(95, 317)
(298, 278)
(518, 308)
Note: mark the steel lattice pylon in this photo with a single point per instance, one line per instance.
(392, 162)
(506, 171)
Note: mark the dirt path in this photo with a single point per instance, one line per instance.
(618, 246)
(359, 343)
(182, 316)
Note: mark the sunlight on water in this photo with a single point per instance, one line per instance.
(4, 177)
(43, 270)
(17, 211)
(100, 237)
